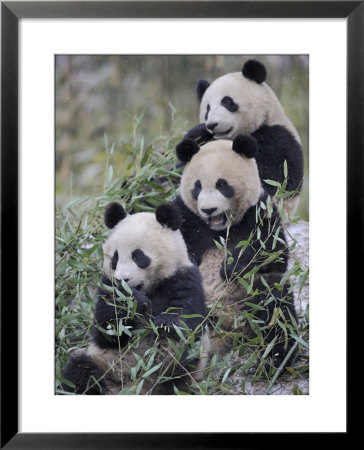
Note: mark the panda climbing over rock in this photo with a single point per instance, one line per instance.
(242, 103)
(150, 292)
(233, 233)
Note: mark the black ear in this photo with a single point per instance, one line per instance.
(186, 149)
(245, 146)
(113, 214)
(254, 70)
(202, 85)
(169, 216)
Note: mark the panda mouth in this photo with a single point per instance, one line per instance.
(220, 134)
(217, 221)
(136, 286)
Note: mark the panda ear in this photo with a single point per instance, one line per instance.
(169, 216)
(186, 149)
(254, 70)
(201, 87)
(245, 146)
(113, 214)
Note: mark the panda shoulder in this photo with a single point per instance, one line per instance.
(274, 134)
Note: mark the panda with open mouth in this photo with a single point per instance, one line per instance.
(148, 288)
(233, 234)
(242, 103)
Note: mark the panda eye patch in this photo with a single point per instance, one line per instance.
(207, 111)
(196, 189)
(114, 260)
(140, 258)
(228, 103)
(224, 187)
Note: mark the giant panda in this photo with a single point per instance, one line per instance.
(149, 283)
(234, 235)
(242, 103)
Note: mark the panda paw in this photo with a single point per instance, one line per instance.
(165, 322)
(142, 300)
(199, 134)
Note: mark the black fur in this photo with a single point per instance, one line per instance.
(207, 112)
(140, 258)
(113, 214)
(182, 292)
(186, 149)
(228, 103)
(254, 70)
(196, 189)
(276, 144)
(83, 372)
(245, 145)
(199, 134)
(202, 85)
(114, 260)
(224, 187)
(199, 238)
(107, 313)
(169, 216)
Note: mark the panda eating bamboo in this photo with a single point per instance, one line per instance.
(151, 295)
(233, 232)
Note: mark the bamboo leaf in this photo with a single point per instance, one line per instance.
(251, 360)
(152, 370)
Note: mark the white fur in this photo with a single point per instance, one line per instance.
(258, 105)
(163, 246)
(215, 160)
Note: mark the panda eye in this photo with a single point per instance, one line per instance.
(114, 260)
(196, 189)
(207, 111)
(224, 187)
(228, 103)
(140, 258)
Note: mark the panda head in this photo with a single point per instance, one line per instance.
(237, 103)
(220, 181)
(143, 248)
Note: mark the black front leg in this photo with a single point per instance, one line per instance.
(242, 263)
(110, 309)
(196, 233)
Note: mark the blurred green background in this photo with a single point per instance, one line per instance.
(99, 97)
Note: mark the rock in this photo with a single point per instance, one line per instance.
(299, 233)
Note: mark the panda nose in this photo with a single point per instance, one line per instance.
(211, 126)
(209, 211)
(119, 280)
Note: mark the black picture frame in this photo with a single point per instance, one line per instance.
(11, 13)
